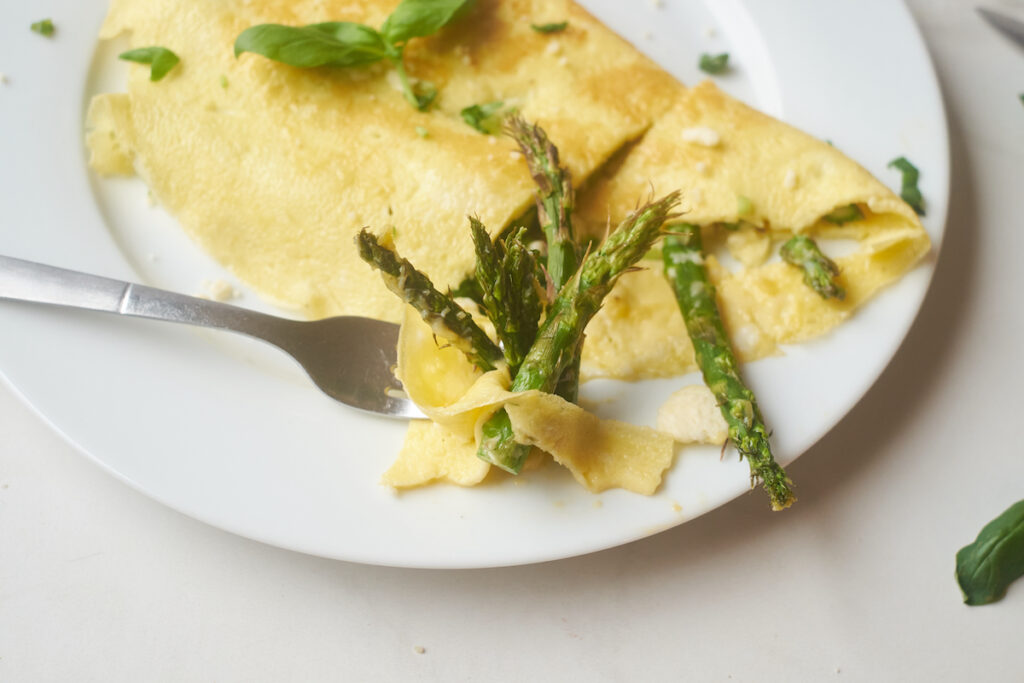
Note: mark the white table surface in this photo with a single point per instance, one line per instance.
(855, 583)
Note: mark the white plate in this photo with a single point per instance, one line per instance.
(230, 432)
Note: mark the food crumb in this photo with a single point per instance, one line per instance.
(598, 503)
(676, 507)
(657, 4)
(419, 649)
(218, 290)
(3, 78)
(709, 32)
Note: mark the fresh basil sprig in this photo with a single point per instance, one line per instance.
(909, 191)
(985, 568)
(160, 60)
(346, 44)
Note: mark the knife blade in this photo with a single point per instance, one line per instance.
(1005, 24)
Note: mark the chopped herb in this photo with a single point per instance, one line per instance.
(829, 143)
(486, 118)
(160, 59)
(224, 81)
(845, 214)
(986, 568)
(714, 64)
(347, 44)
(550, 28)
(744, 207)
(422, 132)
(909, 191)
(44, 27)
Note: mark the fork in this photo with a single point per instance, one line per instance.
(349, 358)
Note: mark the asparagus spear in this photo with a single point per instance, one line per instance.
(561, 334)
(555, 197)
(510, 293)
(819, 270)
(442, 313)
(555, 201)
(682, 253)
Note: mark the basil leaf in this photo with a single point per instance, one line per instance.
(550, 28)
(486, 118)
(845, 214)
(337, 43)
(417, 18)
(160, 59)
(44, 27)
(714, 64)
(911, 195)
(985, 568)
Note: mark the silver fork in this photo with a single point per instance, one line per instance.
(349, 358)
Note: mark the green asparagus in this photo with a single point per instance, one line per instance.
(561, 334)
(555, 201)
(440, 311)
(683, 256)
(510, 293)
(820, 271)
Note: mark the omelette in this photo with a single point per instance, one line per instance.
(273, 170)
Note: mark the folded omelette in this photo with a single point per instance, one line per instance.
(273, 170)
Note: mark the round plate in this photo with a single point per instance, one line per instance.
(231, 432)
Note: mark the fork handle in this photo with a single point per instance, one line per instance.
(27, 281)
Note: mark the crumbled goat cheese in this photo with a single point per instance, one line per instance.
(789, 182)
(691, 415)
(702, 135)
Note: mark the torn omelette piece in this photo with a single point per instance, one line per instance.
(458, 398)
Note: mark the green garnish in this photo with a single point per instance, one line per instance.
(683, 255)
(422, 132)
(347, 44)
(486, 117)
(550, 28)
(986, 568)
(820, 271)
(845, 214)
(744, 207)
(910, 193)
(44, 27)
(223, 81)
(714, 64)
(160, 59)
